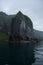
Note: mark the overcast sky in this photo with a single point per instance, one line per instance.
(31, 8)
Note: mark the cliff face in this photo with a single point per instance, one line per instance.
(18, 25)
(5, 22)
(21, 26)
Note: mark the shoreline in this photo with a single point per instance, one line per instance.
(21, 41)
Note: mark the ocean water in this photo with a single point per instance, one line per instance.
(22, 54)
(39, 53)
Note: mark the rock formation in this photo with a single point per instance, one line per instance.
(21, 26)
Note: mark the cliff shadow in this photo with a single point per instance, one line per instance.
(21, 54)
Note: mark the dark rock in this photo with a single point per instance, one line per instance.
(20, 28)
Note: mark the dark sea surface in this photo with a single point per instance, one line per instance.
(39, 53)
(21, 54)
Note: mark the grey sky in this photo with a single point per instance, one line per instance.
(32, 8)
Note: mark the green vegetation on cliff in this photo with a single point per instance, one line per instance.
(3, 36)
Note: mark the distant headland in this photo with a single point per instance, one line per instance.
(17, 27)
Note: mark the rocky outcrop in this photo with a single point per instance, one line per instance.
(18, 25)
(5, 22)
(21, 26)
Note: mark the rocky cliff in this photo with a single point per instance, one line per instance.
(18, 25)
(5, 22)
(21, 26)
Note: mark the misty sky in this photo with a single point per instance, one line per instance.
(32, 8)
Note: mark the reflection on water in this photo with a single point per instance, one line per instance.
(17, 54)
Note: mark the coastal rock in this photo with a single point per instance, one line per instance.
(21, 26)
